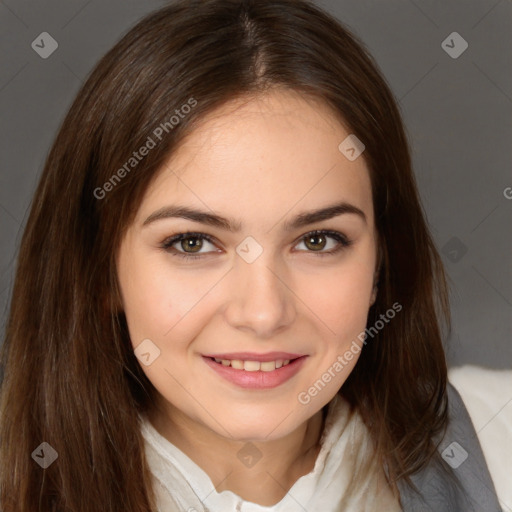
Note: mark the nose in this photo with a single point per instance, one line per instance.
(261, 301)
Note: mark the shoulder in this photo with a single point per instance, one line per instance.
(469, 487)
(487, 395)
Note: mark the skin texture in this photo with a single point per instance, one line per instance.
(261, 161)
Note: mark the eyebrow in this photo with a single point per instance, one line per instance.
(301, 220)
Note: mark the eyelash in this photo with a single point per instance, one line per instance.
(169, 242)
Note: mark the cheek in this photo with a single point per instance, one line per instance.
(161, 305)
(340, 305)
(341, 299)
(153, 298)
(153, 301)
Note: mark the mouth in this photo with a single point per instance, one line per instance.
(256, 371)
(249, 365)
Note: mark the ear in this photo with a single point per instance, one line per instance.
(373, 298)
(375, 290)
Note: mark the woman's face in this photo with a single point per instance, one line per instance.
(263, 289)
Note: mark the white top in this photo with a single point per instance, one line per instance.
(346, 452)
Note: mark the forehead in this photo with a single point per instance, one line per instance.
(279, 150)
(281, 119)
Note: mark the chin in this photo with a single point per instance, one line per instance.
(253, 429)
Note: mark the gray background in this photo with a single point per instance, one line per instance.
(457, 113)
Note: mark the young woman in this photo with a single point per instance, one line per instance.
(227, 297)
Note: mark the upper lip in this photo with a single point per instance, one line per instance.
(252, 356)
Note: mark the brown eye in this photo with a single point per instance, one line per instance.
(324, 242)
(193, 243)
(189, 245)
(315, 242)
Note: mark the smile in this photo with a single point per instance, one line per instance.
(253, 366)
(256, 372)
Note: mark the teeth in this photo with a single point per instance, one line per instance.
(268, 366)
(253, 366)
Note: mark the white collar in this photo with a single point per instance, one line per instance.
(345, 450)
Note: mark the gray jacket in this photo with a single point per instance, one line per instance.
(461, 450)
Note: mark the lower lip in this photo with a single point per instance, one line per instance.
(258, 379)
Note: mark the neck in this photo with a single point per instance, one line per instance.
(241, 467)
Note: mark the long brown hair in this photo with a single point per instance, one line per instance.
(71, 378)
